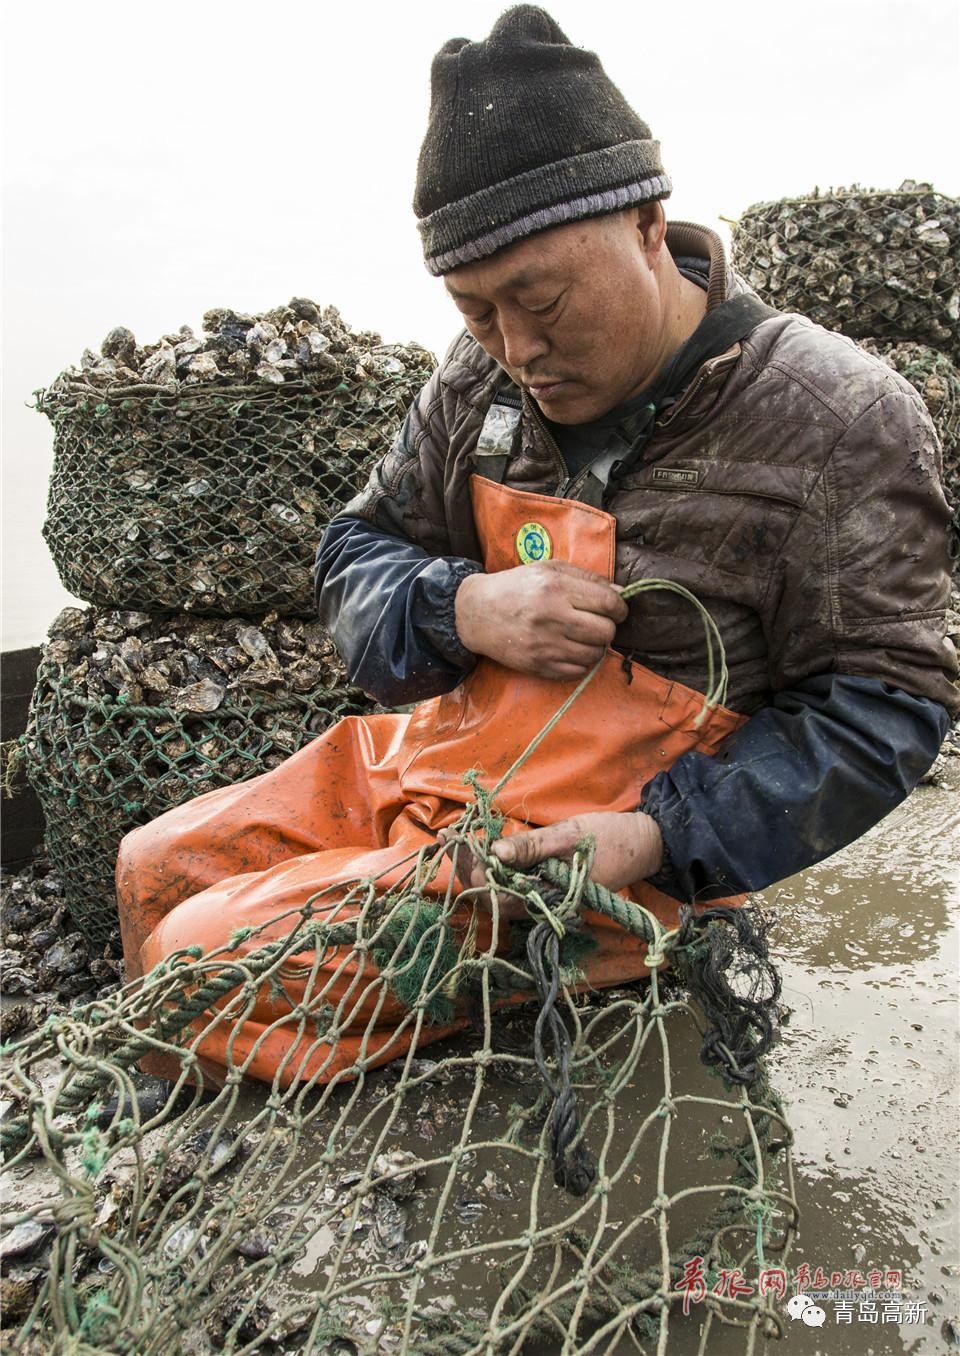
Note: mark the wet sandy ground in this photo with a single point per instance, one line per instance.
(869, 1068)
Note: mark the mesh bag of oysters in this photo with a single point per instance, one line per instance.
(198, 473)
(884, 265)
(191, 483)
(881, 267)
(134, 713)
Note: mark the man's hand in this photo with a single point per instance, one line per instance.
(553, 620)
(628, 846)
(628, 849)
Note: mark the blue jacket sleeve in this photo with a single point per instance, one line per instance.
(800, 780)
(390, 609)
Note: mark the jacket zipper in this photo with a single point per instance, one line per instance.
(567, 482)
(564, 479)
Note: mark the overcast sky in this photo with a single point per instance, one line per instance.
(163, 158)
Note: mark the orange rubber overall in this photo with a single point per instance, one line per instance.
(373, 789)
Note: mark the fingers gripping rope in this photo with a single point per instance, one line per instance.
(717, 674)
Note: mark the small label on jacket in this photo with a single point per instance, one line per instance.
(677, 475)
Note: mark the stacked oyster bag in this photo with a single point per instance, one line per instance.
(881, 267)
(199, 473)
(192, 480)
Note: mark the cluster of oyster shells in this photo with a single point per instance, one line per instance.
(135, 712)
(194, 665)
(300, 342)
(192, 481)
(47, 965)
(208, 497)
(865, 262)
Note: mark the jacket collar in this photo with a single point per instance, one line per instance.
(687, 238)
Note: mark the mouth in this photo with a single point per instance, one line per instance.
(545, 390)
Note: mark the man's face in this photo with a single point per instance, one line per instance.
(574, 314)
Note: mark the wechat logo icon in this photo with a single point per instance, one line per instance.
(803, 1307)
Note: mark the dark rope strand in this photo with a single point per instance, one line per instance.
(572, 1167)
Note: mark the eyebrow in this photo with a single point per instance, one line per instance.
(516, 280)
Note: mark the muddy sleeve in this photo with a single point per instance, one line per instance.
(864, 580)
(800, 780)
(389, 606)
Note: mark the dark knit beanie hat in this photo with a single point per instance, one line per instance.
(526, 132)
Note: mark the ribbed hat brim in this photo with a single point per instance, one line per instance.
(582, 186)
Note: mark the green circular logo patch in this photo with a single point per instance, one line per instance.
(533, 544)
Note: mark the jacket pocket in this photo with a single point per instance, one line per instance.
(732, 516)
(781, 484)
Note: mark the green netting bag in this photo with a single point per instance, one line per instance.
(199, 474)
(133, 714)
(862, 261)
(579, 1172)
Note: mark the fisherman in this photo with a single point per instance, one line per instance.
(618, 407)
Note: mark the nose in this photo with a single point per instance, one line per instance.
(523, 339)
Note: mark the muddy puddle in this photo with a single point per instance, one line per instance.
(867, 1066)
(868, 944)
(474, 1213)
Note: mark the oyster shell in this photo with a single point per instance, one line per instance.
(161, 367)
(121, 345)
(23, 1239)
(402, 1171)
(205, 695)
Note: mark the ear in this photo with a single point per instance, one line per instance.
(652, 225)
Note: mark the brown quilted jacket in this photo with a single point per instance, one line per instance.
(794, 488)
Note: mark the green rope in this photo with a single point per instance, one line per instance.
(717, 675)
(416, 954)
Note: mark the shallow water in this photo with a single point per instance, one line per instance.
(868, 1065)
